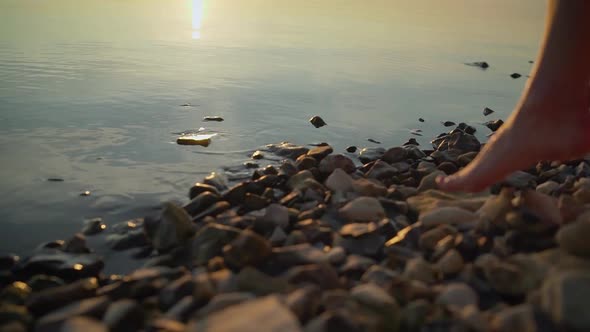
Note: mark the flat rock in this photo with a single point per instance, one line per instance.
(268, 313)
(339, 181)
(317, 121)
(363, 209)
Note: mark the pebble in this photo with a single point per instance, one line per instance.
(515, 75)
(362, 209)
(494, 125)
(268, 313)
(212, 118)
(487, 111)
(565, 296)
(458, 296)
(257, 155)
(93, 226)
(573, 237)
(351, 149)
(334, 161)
(448, 215)
(448, 123)
(317, 122)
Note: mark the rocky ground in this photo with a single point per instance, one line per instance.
(325, 241)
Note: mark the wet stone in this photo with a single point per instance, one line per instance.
(317, 121)
(287, 150)
(76, 245)
(299, 254)
(93, 226)
(487, 111)
(322, 275)
(64, 265)
(93, 307)
(363, 209)
(448, 123)
(257, 155)
(515, 75)
(458, 295)
(334, 161)
(199, 188)
(320, 152)
(203, 201)
(212, 118)
(371, 154)
(176, 290)
(351, 149)
(304, 302)
(209, 241)
(494, 125)
(566, 297)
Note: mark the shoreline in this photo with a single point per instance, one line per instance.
(320, 239)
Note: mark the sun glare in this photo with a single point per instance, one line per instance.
(197, 10)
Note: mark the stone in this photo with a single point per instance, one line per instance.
(287, 150)
(565, 296)
(305, 162)
(209, 241)
(363, 209)
(458, 296)
(64, 265)
(224, 300)
(213, 210)
(480, 64)
(124, 315)
(217, 180)
(447, 216)
(339, 181)
(190, 139)
(182, 309)
(428, 182)
(373, 141)
(380, 276)
(466, 158)
(543, 206)
(381, 170)
(322, 275)
(203, 201)
(317, 121)
(487, 111)
(378, 301)
(515, 75)
(430, 238)
(297, 181)
(320, 152)
(517, 318)
(451, 263)
(93, 226)
(339, 321)
(351, 149)
(257, 155)
(166, 325)
(360, 239)
(367, 187)
(249, 279)
(199, 188)
(300, 254)
(176, 290)
(278, 237)
(448, 167)
(547, 187)
(76, 244)
(463, 142)
(414, 315)
(81, 324)
(371, 154)
(448, 123)
(248, 248)
(172, 228)
(277, 215)
(574, 237)
(494, 125)
(268, 313)
(394, 155)
(336, 255)
(304, 302)
(419, 269)
(334, 161)
(212, 118)
(93, 307)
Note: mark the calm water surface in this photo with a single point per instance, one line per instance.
(90, 91)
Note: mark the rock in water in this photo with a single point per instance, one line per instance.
(480, 64)
(494, 125)
(202, 140)
(262, 314)
(515, 75)
(420, 119)
(351, 149)
(448, 123)
(213, 118)
(317, 122)
(257, 155)
(487, 111)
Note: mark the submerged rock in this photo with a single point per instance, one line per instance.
(487, 111)
(172, 228)
(212, 118)
(480, 64)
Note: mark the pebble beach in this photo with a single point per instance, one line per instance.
(305, 238)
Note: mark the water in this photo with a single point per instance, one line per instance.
(91, 91)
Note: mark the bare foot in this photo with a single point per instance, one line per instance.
(532, 134)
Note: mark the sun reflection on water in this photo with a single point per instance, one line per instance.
(197, 10)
